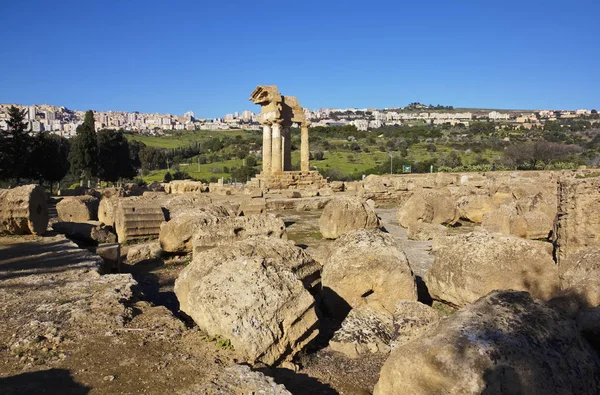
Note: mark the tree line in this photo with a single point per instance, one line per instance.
(47, 159)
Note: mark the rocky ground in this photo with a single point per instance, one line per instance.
(122, 333)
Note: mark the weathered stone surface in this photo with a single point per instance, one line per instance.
(579, 217)
(253, 206)
(135, 220)
(366, 265)
(344, 214)
(504, 343)
(106, 210)
(411, 320)
(424, 231)
(23, 210)
(143, 252)
(78, 209)
(278, 252)
(261, 307)
(512, 219)
(89, 231)
(234, 229)
(238, 380)
(337, 186)
(580, 276)
(177, 234)
(185, 186)
(471, 265)
(427, 205)
(473, 207)
(364, 330)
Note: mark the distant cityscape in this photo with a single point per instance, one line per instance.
(64, 122)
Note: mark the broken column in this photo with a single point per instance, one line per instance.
(135, 220)
(267, 144)
(276, 164)
(304, 149)
(23, 210)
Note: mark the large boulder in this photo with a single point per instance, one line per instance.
(468, 266)
(177, 234)
(256, 302)
(474, 207)
(435, 206)
(504, 343)
(279, 252)
(344, 214)
(370, 329)
(231, 229)
(513, 219)
(23, 210)
(143, 252)
(366, 264)
(78, 209)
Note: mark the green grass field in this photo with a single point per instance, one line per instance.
(185, 138)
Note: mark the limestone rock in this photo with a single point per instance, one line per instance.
(278, 252)
(365, 330)
(78, 209)
(473, 207)
(106, 210)
(143, 252)
(337, 186)
(23, 210)
(345, 214)
(471, 265)
(262, 308)
(411, 319)
(238, 380)
(111, 256)
(185, 186)
(90, 231)
(253, 206)
(366, 265)
(177, 234)
(434, 206)
(580, 276)
(504, 343)
(511, 219)
(233, 229)
(422, 231)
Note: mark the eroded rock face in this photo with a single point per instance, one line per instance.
(279, 252)
(142, 252)
(366, 264)
(238, 380)
(471, 265)
(434, 206)
(422, 231)
(474, 207)
(91, 231)
(78, 209)
(177, 234)
(233, 229)
(515, 220)
(344, 214)
(580, 276)
(504, 343)
(256, 294)
(364, 330)
(411, 320)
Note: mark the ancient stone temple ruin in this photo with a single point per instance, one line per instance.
(278, 114)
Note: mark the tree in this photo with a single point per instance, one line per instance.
(15, 147)
(84, 149)
(49, 159)
(114, 161)
(168, 177)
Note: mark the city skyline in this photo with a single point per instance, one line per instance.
(151, 57)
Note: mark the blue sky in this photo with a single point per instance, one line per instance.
(207, 56)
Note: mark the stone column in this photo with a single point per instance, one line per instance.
(266, 165)
(276, 161)
(287, 149)
(304, 149)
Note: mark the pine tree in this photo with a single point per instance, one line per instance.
(84, 150)
(114, 160)
(15, 144)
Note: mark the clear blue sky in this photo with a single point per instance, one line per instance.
(207, 56)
